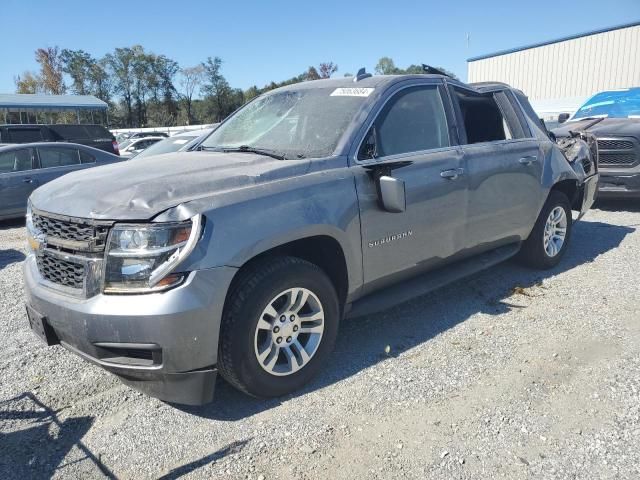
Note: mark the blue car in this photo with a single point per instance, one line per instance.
(24, 167)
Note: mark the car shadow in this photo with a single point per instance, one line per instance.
(361, 342)
(7, 257)
(39, 450)
(13, 223)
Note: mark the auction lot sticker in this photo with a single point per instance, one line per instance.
(352, 92)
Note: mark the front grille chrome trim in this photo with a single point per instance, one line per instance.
(59, 233)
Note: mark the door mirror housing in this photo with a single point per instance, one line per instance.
(563, 117)
(392, 194)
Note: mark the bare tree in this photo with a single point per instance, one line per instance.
(191, 80)
(326, 69)
(51, 70)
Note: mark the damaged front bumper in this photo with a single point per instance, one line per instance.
(163, 344)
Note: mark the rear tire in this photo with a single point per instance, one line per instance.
(279, 326)
(551, 234)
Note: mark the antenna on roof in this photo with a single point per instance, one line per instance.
(362, 74)
(434, 71)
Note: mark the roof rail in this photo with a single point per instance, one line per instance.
(434, 71)
(362, 74)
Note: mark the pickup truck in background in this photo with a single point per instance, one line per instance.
(312, 202)
(95, 136)
(613, 118)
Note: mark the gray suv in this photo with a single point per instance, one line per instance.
(312, 202)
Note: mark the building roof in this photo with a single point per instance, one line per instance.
(26, 101)
(557, 40)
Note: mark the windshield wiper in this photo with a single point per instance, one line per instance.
(247, 149)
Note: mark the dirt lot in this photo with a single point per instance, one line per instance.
(510, 374)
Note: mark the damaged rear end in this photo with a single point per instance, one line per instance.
(581, 151)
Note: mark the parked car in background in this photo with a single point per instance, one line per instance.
(314, 201)
(179, 142)
(614, 118)
(95, 136)
(121, 137)
(23, 168)
(132, 147)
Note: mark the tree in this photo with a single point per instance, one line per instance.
(121, 63)
(219, 95)
(191, 81)
(28, 82)
(385, 66)
(50, 70)
(327, 69)
(77, 64)
(312, 74)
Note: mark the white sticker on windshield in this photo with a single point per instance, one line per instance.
(180, 141)
(352, 92)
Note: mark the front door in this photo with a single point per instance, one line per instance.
(16, 181)
(411, 138)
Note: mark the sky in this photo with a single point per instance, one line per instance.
(261, 41)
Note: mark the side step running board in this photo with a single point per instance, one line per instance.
(430, 281)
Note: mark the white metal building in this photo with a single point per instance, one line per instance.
(560, 74)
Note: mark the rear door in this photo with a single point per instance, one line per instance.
(504, 166)
(414, 143)
(16, 181)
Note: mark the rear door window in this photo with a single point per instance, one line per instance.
(58, 157)
(16, 161)
(86, 157)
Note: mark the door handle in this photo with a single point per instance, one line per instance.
(452, 174)
(528, 160)
(27, 180)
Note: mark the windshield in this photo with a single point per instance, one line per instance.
(295, 123)
(168, 145)
(616, 104)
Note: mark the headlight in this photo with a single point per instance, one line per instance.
(141, 258)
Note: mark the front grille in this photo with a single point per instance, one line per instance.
(73, 250)
(614, 144)
(82, 235)
(625, 159)
(619, 152)
(62, 272)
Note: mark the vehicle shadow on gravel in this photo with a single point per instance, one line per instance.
(14, 223)
(362, 341)
(39, 450)
(9, 256)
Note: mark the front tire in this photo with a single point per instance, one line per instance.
(551, 233)
(279, 326)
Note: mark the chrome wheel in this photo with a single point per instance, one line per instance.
(555, 231)
(289, 331)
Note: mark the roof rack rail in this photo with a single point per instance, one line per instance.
(362, 74)
(434, 71)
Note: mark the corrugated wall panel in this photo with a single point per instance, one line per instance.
(572, 68)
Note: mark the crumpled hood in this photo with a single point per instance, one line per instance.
(140, 189)
(614, 127)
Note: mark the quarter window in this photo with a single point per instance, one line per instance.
(58, 157)
(15, 161)
(412, 121)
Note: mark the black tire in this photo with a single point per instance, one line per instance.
(533, 253)
(252, 291)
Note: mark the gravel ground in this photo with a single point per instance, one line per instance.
(509, 374)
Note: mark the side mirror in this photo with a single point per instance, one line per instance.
(563, 117)
(391, 193)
